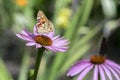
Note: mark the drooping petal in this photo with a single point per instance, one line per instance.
(107, 71)
(95, 75)
(113, 71)
(116, 69)
(102, 74)
(84, 72)
(113, 64)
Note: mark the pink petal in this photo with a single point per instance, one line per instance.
(78, 69)
(113, 64)
(113, 71)
(107, 71)
(30, 43)
(60, 43)
(18, 35)
(35, 30)
(59, 49)
(24, 37)
(38, 46)
(79, 62)
(50, 48)
(56, 37)
(26, 33)
(102, 74)
(116, 69)
(59, 39)
(95, 75)
(51, 34)
(84, 72)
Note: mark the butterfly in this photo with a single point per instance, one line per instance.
(43, 25)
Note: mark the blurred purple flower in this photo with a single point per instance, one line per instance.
(48, 41)
(101, 67)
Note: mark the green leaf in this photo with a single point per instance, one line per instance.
(24, 67)
(4, 74)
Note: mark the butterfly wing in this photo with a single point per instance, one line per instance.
(44, 26)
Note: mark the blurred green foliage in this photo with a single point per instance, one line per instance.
(82, 22)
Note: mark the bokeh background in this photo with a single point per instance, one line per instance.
(82, 22)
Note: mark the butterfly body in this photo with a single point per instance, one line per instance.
(44, 26)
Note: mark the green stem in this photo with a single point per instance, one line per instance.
(99, 77)
(37, 64)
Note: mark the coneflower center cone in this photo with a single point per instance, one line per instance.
(43, 40)
(97, 59)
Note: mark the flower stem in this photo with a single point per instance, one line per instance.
(38, 60)
(99, 77)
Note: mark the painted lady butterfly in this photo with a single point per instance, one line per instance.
(43, 26)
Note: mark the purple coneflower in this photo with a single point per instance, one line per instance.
(101, 67)
(48, 41)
